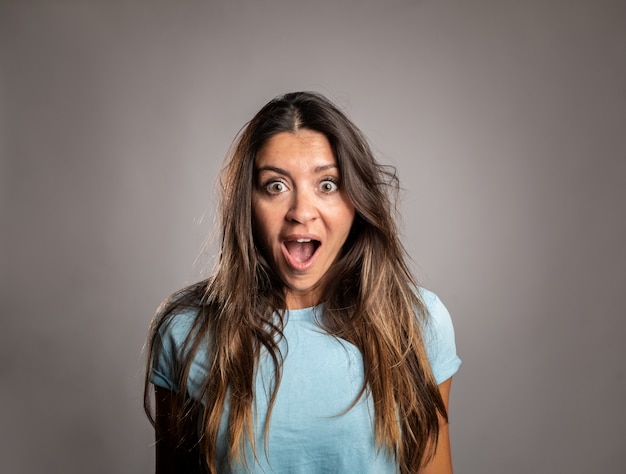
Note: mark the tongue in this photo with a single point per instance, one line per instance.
(300, 251)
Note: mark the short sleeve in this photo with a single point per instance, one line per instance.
(439, 338)
(167, 349)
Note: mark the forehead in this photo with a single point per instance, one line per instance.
(304, 148)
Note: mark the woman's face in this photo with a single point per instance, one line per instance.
(302, 216)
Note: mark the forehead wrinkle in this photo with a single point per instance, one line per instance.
(316, 150)
(276, 169)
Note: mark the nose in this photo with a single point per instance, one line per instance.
(303, 207)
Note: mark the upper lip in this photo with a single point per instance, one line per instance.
(301, 238)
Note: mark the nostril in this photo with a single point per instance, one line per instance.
(301, 211)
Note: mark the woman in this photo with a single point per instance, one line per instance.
(310, 349)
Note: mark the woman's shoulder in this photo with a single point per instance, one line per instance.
(434, 306)
(177, 314)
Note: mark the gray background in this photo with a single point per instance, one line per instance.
(505, 119)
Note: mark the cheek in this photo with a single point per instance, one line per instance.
(347, 215)
(262, 224)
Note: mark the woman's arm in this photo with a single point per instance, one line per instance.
(171, 458)
(441, 463)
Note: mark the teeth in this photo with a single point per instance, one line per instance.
(303, 240)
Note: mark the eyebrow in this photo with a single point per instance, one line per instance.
(276, 169)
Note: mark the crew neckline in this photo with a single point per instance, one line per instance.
(310, 313)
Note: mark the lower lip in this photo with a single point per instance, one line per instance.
(299, 266)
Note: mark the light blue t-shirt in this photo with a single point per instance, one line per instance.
(310, 430)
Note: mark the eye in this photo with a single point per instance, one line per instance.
(275, 187)
(328, 186)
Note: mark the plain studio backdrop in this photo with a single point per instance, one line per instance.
(506, 121)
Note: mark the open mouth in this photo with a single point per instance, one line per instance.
(300, 252)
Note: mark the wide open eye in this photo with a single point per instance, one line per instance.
(276, 187)
(328, 186)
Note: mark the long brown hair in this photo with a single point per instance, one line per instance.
(370, 300)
